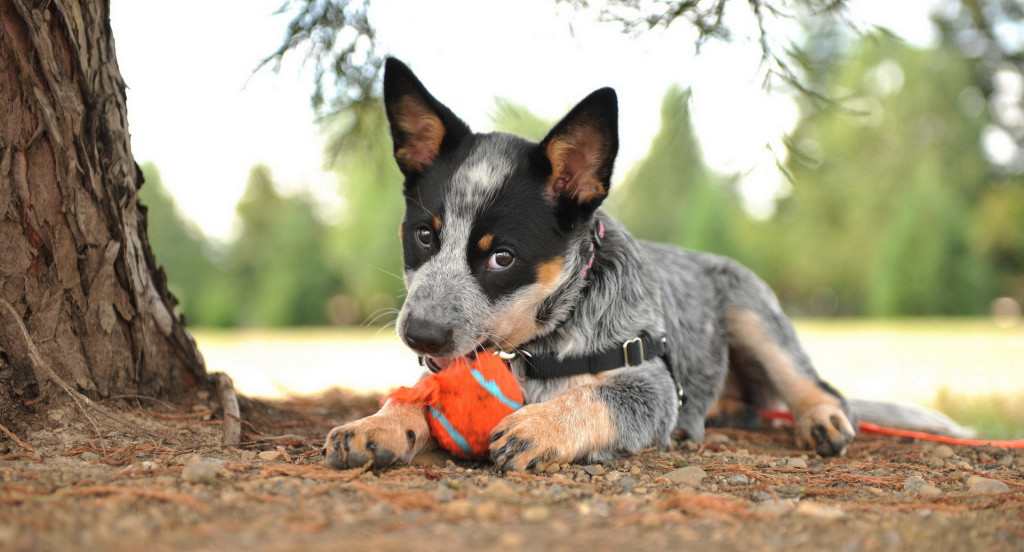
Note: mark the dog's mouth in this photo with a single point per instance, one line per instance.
(436, 364)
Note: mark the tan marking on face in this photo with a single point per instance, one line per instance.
(436, 221)
(485, 242)
(518, 324)
(549, 271)
(423, 131)
(799, 391)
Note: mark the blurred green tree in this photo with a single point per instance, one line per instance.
(364, 246)
(509, 116)
(885, 195)
(277, 274)
(671, 195)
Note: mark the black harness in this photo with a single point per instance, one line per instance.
(631, 352)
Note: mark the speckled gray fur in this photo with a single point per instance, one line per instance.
(632, 286)
(636, 285)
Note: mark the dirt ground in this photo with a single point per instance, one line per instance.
(61, 489)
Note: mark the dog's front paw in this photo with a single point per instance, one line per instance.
(529, 439)
(381, 440)
(825, 430)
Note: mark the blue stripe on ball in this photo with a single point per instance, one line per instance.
(494, 390)
(455, 435)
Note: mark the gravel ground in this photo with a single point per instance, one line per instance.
(735, 491)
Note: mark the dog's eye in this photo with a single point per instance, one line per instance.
(500, 260)
(424, 236)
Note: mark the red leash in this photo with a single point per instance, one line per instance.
(872, 429)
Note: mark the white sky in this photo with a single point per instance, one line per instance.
(195, 110)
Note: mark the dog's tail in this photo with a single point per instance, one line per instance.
(909, 417)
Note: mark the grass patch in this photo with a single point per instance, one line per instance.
(997, 416)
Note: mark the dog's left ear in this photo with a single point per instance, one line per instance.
(582, 149)
(421, 126)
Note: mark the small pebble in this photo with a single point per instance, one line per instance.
(820, 511)
(929, 491)
(89, 456)
(200, 472)
(790, 491)
(486, 510)
(738, 480)
(460, 508)
(943, 451)
(188, 459)
(627, 483)
(511, 540)
(500, 491)
(984, 485)
(797, 464)
(690, 475)
(271, 455)
(716, 439)
(553, 468)
(535, 514)
(913, 484)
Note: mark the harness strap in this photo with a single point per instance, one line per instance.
(632, 352)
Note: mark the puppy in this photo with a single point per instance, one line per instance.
(618, 344)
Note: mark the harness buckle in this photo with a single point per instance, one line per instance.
(510, 355)
(625, 352)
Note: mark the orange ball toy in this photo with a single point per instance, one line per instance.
(465, 401)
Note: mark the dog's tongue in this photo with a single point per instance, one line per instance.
(442, 363)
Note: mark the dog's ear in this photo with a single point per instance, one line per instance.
(582, 149)
(421, 127)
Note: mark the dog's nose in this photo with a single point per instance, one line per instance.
(427, 336)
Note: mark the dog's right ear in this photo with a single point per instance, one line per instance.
(421, 126)
(582, 149)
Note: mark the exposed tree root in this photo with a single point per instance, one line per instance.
(229, 402)
(15, 340)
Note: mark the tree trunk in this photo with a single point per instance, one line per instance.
(75, 261)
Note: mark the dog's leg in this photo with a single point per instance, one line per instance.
(736, 407)
(392, 436)
(621, 413)
(822, 420)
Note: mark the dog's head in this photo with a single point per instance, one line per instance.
(494, 223)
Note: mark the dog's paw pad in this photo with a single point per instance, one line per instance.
(825, 430)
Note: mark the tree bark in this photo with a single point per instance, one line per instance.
(75, 261)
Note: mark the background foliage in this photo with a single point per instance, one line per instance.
(897, 204)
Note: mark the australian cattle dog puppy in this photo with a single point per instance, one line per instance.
(618, 344)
